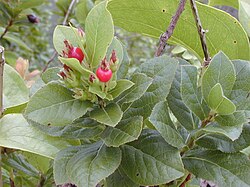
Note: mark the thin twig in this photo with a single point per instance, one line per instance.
(2, 61)
(6, 29)
(202, 33)
(169, 32)
(64, 23)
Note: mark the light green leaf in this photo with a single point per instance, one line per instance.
(150, 160)
(24, 4)
(240, 93)
(141, 84)
(142, 17)
(237, 118)
(220, 70)
(162, 71)
(232, 3)
(122, 85)
(119, 178)
(190, 93)
(96, 89)
(50, 75)
(117, 46)
(124, 65)
(176, 105)
(93, 163)
(111, 115)
(244, 15)
(54, 105)
(16, 133)
(75, 65)
(99, 33)
(160, 119)
(62, 33)
(224, 169)
(218, 102)
(126, 131)
(225, 144)
(15, 92)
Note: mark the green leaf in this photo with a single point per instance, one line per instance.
(162, 71)
(142, 17)
(190, 93)
(15, 39)
(25, 4)
(176, 105)
(161, 121)
(244, 15)
(232, 3)
(82, 9)
(54, 105)
(96, 89)
(126, 131)
(232, 132)
(16, 133)
(99, 33)
(62, 33)
(124, 65)
(224, 169)
(220, 70)
(150, 160)
(89, 166)
(237, 118)
(117, 46)
(122, 85)
(218, 102)
(111, 115)
(241, 89)
(82, 128)
(75, 65)
(141, 84)
(224, 144)
(119, 178)
(50, 75)
(15, 92)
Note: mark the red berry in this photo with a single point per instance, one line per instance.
(103, 75)
(76, 52)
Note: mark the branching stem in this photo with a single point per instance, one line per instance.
(6, 29)
(170, 30)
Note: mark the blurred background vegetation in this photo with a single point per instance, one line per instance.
(26, 31)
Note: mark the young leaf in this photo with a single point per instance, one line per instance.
(224, 169)
(54, 105)
(110, 115)
(16, 133)
(99, 33)
(142, 17)
(160, 119)
(150, 160)
(220, 70)
(122, 85)
(218, 102)
(50, 75)
(93, 163)
(190, 93)
(62, 33)
(162, 71)
(15, 92)
(126, 131)
(182, 113)
(117, 46)
(141, 84)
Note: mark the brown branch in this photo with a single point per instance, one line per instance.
(188, 178)
(64, 23)
(202, 33)
(6, 29)
(2, 61)
(169, 32)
